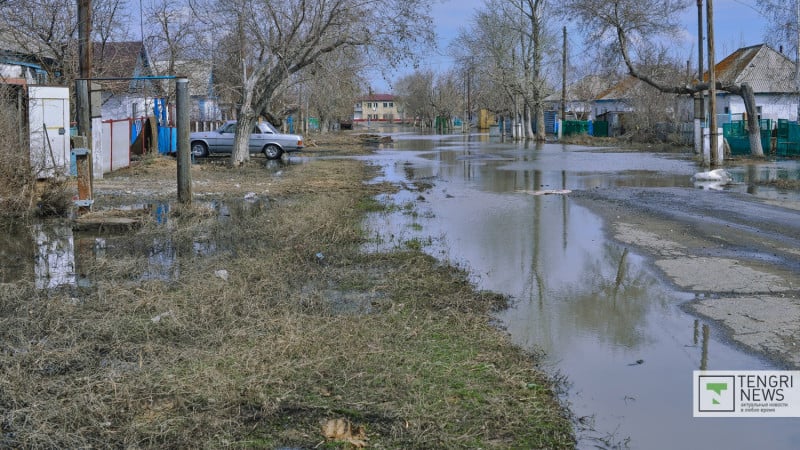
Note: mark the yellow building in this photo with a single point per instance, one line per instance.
(377, 108)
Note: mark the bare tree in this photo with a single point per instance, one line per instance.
(638, 30)
(169, 32)
(331, 85)
(448, 95)
(532, 41)
(782, 23)
(46, 31)
(485, 49)
(416, 92)
(278, 39)
(511, 41)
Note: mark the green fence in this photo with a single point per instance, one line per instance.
(600, 128)
(787, 142)
(736, 134)
(573, 127)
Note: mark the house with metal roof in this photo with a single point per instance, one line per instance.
(203, 98)
(770, 73)
(133, 95)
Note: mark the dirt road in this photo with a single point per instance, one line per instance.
(739, 255)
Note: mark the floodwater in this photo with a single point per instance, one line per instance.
(608, 324)
(606, 321)
(53, 255)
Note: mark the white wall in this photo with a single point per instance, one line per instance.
(773, 107)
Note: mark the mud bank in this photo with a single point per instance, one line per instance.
(737, 254)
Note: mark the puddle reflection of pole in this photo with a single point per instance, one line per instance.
(704, 351)
(620, 272)
(696, 335)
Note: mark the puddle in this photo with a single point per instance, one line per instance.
(53, 255)
(606, 321)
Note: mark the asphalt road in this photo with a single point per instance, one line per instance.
(739, 254)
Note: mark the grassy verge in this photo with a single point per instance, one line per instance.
(307, 341)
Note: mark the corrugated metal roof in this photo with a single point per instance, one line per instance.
(198, 72)
(622, 90)
(765, 69)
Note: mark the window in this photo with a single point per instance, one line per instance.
(385, 105)
(391, 104)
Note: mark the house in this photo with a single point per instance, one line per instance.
(204, 101)
(16, 71)
(770, 73)
(24, 63)
(128, 96)
(654, 109)
(580, 97)
(377, 108)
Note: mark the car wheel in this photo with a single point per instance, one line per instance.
(199, 149)
(272, 151)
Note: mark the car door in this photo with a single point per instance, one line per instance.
(222, 140)
(257, 139)
(270, 135)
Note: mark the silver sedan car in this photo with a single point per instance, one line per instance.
(263, 139)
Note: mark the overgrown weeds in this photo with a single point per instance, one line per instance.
(304, 328)
(21, 192)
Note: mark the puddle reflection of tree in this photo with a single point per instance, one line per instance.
(704, 343)
(616, 308)
(613, 306)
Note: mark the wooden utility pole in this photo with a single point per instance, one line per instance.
(699, 101)
(82, 105)
(715, 157)
(564, 79)
(797, 55)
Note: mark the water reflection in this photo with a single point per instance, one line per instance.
(54, 256)
(54, 261)
(603, 317)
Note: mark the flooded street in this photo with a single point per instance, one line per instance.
(557, 228)
(607, 319)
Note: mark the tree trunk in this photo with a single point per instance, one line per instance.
(540, 130)
(240, 153)
(753, 127)
(246, 118)
(528, 123)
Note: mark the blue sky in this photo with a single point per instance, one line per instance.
(736, 24)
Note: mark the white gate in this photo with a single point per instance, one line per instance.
(48, 119)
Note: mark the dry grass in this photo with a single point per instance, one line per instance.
(394, 343)
(21, 193)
